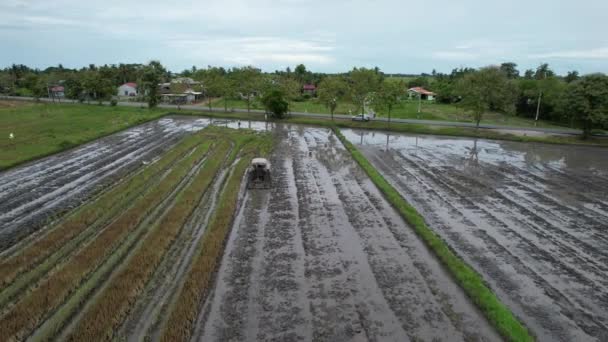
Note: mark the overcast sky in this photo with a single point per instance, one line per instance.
(330, 36)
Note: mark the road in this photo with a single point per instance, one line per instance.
(569, 131)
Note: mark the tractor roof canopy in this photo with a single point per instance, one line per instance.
(259, 162)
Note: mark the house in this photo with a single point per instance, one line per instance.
(57, 91)
(424, 94)
(309, 89)
(187, 97)
(186, 80)
(127, 89)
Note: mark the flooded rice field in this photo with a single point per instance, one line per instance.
(35, 193)
(323, 257)
(531, 218)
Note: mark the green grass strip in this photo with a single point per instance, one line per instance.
(473, 284)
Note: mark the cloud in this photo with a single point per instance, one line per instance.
(257, 50)
(599, 53)
(455, 55)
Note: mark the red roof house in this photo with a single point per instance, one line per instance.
(422, 93)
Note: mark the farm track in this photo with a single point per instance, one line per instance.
(322, 256)
(535, 229)
(61, 283)
(37, 192)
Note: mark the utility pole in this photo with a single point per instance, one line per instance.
(419, 103)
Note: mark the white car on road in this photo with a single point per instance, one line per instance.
(361, 117)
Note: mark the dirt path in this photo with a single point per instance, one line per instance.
(33, 193)
(531, 218)
(322, 256)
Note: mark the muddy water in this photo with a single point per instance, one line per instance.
(33, 194)
(322, 256)
(531, 218)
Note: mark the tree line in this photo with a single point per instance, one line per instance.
(537, 93)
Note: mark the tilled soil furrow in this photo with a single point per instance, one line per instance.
(563, 254)
(322, 256)
(535, 235)
(62, 320)
(73, 160)
(61, 191)
(399, 263)
(333, 303)
(146, 316)
(279, 297)
(62, 282)
(477, 212)
(51, 258)
(259, 294)
(224, 309)
(507, 274)
(77, 182)
(107, 157)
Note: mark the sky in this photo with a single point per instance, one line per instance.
(325, 35)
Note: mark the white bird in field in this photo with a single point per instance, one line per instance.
(11, 136)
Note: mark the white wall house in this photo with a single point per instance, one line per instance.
(127, 89)
(424, 94)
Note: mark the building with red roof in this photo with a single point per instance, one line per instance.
(127, 89)
(424, 94)
(309, 89)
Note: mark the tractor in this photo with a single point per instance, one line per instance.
(259, 174)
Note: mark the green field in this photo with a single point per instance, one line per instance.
(43, 129)
(407, 109)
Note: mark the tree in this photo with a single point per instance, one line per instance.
(388, 96)
(586, 101)
(510, 69)
(543, 71)
(248, 81)
(362, 82)
(290, 88)
(331, 90)
(571, 76)
(418, 82)
(274, 102)
(213, 82)
(529, 74)
(152, 75)
(487, 89)
(544, 75)
(300, 73)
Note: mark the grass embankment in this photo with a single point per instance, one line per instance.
(473, 284)
(117, 298)
(30, 310)
(41, 129)
(71, 232)
(186, 308)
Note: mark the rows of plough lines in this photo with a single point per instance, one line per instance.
(81, 277)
